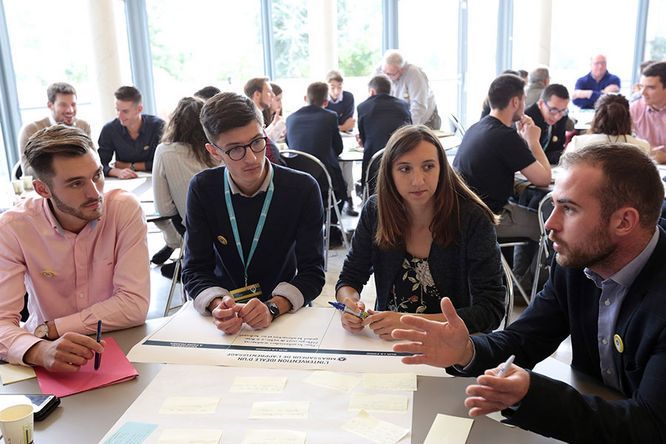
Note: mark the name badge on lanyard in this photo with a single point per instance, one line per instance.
(253, 290)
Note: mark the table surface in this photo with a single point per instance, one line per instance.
(86, 417)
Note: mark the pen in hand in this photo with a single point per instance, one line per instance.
(342, 307)
(503, 369)
(98, 356)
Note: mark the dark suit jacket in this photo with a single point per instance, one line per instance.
(378, 117)
(314, 130)
(553, 147)
(569, 305)
(468, 270)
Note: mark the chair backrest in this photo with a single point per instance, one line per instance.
(545, 209)
(371, 174)
(456, 125)
(307, 163)
(17, 172)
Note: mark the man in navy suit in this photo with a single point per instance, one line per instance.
(606, 290)
(378, 117)
(314, 130)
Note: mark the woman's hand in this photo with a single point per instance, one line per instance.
(383, 323)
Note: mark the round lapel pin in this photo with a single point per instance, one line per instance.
(222, 240)
(619, 345)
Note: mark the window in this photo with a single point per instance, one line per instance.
(580, 30)
(655, 39)
(46, 48)
(4, 176)
(209, 42)
(428, 37)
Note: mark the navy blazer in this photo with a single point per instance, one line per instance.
(468, 271)
(378, 117)
(555, 146)
(569, 305)
(290, 248)
(314, 130)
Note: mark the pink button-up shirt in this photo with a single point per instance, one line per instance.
(72, 279)
(649, 124)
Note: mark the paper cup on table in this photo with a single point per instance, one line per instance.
(27, 182)
(18, 186)
(17, 424)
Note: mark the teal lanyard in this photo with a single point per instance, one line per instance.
(234, 224)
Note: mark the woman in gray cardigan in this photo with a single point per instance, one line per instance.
(425, 235)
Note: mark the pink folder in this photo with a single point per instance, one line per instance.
(113, 369)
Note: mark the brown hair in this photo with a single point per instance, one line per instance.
(392, 212)
(631, 179)
(59, 88)
(128, 94)
(317, 93)
(611, 116)
(334, 76)
(254, 85)
(226, 111)
(184, 127)
(55, 140)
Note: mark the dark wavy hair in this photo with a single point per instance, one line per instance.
(184, 127)
(393, 218)
(611, 116)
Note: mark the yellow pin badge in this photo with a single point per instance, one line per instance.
(619, 345)
(555, 138)
(48, 273)
(223, 240)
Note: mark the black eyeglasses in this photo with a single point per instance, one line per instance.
(238, 152)
(555, 111)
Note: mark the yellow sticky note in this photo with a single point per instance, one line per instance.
(374, 429)
(332, 380)
(448, 429)
(274, 437)
(10, 373)
(279, 409)
(390, 381)
(186, 405)
(190, 436)
(247, 384)
(378, 403)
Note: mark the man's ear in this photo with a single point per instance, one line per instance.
(625, 221)
(139, 108)
(41, 188)
(214, 152)
(325, 104)
(49, 105)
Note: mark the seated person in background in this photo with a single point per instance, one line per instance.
(132, 136)
(485, 107)
(425, 235)
(489, 155)
(341, 102)
(62, 104)
(537, 81)
(314, 129)
(259, 90)
(597, 82)
(180, 156)
(637, 89)
(378, 117)
(606, 290)
(275, 109)
(649, 113)
(207, 92)
(261, 242)
(611, 124)
(80, 254)
(549, 113)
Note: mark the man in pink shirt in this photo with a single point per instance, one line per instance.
(649, 113)
(79, 253)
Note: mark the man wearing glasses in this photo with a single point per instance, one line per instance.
(254, 244)
(550, 114)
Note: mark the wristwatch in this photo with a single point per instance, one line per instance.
(42, 331)
(273, 309)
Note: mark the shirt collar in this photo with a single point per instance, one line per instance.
(627, 274)
(262, 189)
(330, 99)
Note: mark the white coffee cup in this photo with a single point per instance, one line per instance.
(27, 182)
(18, 186)
(17, 424)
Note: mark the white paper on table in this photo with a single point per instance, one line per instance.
(186, 405)
(279, 409)
(333, 380)
(390, 381)
(10, 373)
(274, 437)
(190, 436)
(447, 429)
(374, 429)
(378, 402)
(497, 416)
(250, 384)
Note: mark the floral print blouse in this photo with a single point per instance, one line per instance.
(414, 290)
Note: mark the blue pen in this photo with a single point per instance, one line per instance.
(342, 307)
(98, 357)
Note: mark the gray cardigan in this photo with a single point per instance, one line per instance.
(468, 270)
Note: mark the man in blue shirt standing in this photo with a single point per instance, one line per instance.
(597, 82)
